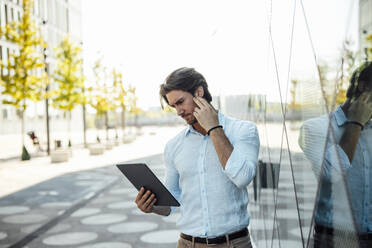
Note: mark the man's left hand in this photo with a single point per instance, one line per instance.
(206, 115)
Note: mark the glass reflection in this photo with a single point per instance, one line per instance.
(338, 145)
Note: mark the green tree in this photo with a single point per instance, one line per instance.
(100, 96)
(23, 75)
(293, 91)
(326, 85)
(120, 95)
(335, 90)
(132, 103)
(108, 96)
(369, 48)
(68, 75)
(348, 63)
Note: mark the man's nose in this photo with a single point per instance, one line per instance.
(179, 110)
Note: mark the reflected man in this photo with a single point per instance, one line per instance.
(339, 146)
(208, 167)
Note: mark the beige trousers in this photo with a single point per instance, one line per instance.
(243, 242)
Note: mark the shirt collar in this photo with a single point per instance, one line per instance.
(189, 128)
(341, 118)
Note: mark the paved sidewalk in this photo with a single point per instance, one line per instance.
(90, 208)
(16, 175)
(39, 198)
(87, 202)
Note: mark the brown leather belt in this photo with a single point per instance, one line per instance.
(216, 240)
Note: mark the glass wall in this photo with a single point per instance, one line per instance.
(306, 192)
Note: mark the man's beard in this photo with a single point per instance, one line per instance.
(191, 121)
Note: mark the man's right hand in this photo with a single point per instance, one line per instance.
(361, 109)
(145, 200)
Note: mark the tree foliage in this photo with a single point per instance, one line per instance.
(100, 96)
(132, 101)
(68, 76)
(349, 61)
(22, 75)
(120, 93)
(294, 88)
(369, 48)
(335, 90)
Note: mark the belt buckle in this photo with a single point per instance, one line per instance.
(209, 244)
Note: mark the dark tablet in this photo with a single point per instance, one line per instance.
(141, 176)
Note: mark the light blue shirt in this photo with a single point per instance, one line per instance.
(213, 200)
(335, 195)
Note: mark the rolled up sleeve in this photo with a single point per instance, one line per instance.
(313, 140)
(328, 159)
(241, 165)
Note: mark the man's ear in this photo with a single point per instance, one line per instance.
(199, 92)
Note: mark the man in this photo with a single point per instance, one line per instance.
(208, 167)
(343, 211)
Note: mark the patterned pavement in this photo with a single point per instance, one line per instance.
(84, 209)
(95, 208)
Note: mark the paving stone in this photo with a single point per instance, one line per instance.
(74, 238)
(9, 210)
(133, 227)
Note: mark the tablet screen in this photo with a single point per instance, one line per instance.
(140, 175)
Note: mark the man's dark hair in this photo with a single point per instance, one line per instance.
(186, 79)
(362, 73)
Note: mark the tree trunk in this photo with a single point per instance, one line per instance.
(84, 126)
(106, 124)
(69, 129)
(25, 155)
(122, 121)
(97, 138)
(23, 127)
(98, 119)
(116, 125)
(136, 123)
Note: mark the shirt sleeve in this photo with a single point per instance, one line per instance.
(171, 176)
(312, 141)
(327, 158)
(336, 163)
(242, 163)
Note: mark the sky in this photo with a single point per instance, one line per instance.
(227, 41)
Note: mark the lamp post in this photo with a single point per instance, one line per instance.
(84, 110)
(46, 100)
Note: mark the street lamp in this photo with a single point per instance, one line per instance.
(46, 99)
(84, 110)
